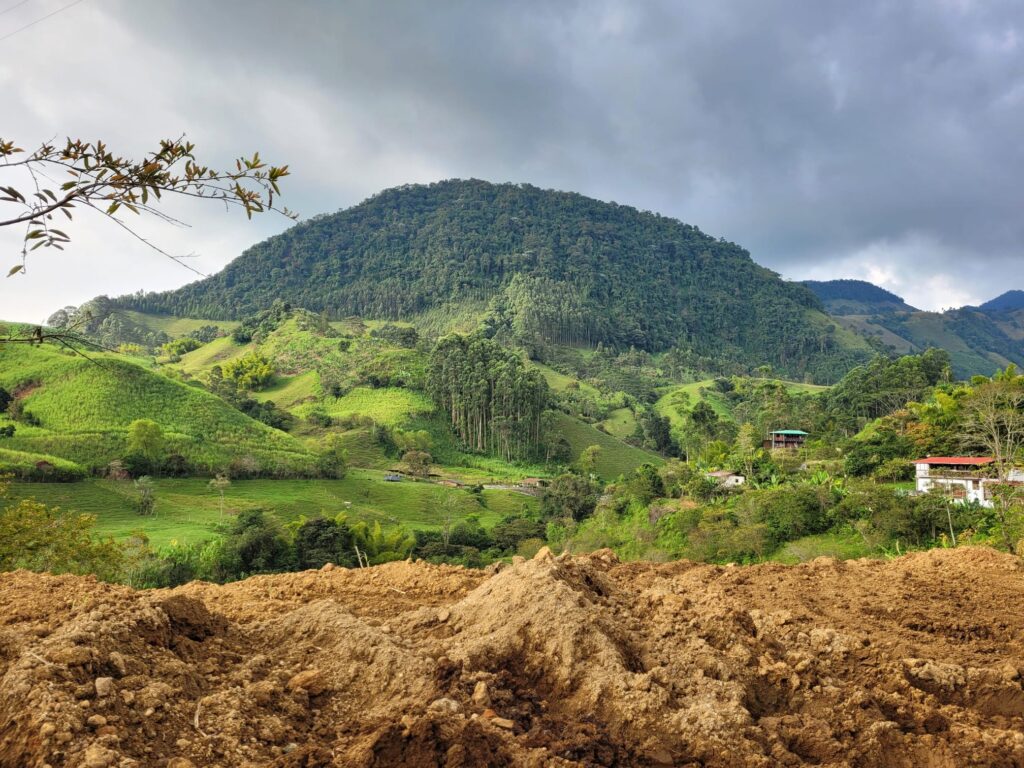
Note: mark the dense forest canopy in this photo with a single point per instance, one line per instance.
(838, 295)
(556, 266)
(492, 401)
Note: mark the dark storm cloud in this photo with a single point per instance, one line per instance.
(869, 139)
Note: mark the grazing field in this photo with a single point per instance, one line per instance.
(85, 407)
(676, 402)
(616, 457)
(217, 352)
(842, 545)
(188, 511)
(391, 406)
(621, 423)
(290, 391)
(559, 382)
(175, 326)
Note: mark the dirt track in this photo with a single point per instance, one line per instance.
(583, 661)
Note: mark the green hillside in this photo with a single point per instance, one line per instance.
(543, 266)
(187, 511)
(84, 407)
(616, 457)
(174, 326)
(676, 402)
(980, 340)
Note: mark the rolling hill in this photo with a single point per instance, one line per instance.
(980, 340)
(536, 266)
(83, 407)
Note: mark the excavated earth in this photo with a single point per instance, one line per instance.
(550, 662)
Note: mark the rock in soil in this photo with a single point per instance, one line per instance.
(568, 661)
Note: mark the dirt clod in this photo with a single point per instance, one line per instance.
(579, 661)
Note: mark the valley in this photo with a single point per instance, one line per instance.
(499, 415)
(440, 385)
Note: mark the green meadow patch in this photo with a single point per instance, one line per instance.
(616, 458)
(187, 510)
(391, 406)
(84, 408)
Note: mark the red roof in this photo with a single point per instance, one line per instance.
(975, 461)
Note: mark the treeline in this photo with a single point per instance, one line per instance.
(857, 291)
(492, 401)
(884, 384)
(590, 271)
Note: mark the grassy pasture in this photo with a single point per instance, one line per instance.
(175, 326)
(188, 511)
(86, 406)
(616, 457)
(392, 406)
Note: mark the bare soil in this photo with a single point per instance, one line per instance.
(548, 662)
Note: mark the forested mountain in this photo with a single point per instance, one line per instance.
(856, 297)
(1011, 301)
(980, 340)
(544, 266)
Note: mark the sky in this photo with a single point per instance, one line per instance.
(878, 140)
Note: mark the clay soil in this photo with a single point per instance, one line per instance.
(548, 662)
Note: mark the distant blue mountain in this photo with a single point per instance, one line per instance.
(1008, 302)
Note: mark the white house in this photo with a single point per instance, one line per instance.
(726, 479)
(962, 478)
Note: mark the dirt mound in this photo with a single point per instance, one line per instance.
(548, 662)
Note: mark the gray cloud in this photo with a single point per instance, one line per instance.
(832, 139)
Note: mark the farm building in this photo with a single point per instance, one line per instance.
(726, 479)
(963, 478)
(785, 440)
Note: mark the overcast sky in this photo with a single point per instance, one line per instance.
(877, 140)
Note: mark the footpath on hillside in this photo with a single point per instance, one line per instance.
(570, 661)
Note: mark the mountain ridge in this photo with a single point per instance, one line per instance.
(980, 339)
(845, 296)
(1010, 301)
(545, 266)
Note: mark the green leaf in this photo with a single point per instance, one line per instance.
(16, 268)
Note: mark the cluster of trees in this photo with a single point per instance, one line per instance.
(883, 385)
(250, 372)
(256, 542)
(103, 322)
(492, 401)
(260, 323)
(468, 543)
(590, 271)
(232, 389)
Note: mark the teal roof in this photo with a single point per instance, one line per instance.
(789, 432)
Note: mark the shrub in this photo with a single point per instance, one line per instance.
(42, 538)
(318, 417)
(511, 531)
(320, 540)
(252, 371)
(570, 496)
(788, 512)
